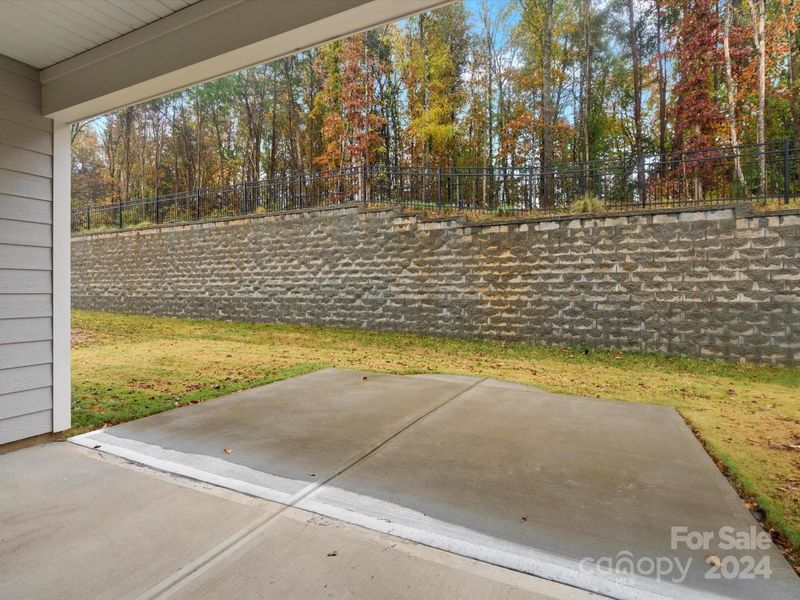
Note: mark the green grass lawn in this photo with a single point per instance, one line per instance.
(126, 367)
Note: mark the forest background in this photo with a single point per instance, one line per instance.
(505, 83)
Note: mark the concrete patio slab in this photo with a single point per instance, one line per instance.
(539, 482)
(577, 490)
(72, 526)
(281, 440)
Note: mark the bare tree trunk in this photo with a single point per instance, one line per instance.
(288, 71)
(757, 11)
(794, 101)
(110, 150)
(175, 152)
(637, 100)
(586, 91)
(394, 117)
(126, 141)
(730, 84)
(273, 135)
(143, 160)
(662, 87)
(488, 50)
(501, 102)
(547, 109)
(220, 146)
(198, 174)
(76, 128)
(159, 146)
(793, 82)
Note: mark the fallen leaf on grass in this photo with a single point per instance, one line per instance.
(795, 447)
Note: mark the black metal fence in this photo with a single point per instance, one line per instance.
(768, 172)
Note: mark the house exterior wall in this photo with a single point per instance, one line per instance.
(26, 261)
(718, 283)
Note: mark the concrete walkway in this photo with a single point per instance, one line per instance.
(78, 524)
(503, 484)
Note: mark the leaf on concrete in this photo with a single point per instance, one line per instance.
(713, 560)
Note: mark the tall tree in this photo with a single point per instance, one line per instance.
(328, 106)
(435, 55)
(730, 85)
(661, 63)
(547, 116)
(758, 13)
(696, 54)
(127, 159)
(636, 68)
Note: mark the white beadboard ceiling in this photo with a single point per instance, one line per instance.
(42, 33)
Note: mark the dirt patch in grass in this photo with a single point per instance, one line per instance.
(748, 416)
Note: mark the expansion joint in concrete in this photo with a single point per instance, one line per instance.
(172, 584)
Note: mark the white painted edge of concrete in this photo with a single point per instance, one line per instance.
(406, 523)
(208, 469)
(399, 521)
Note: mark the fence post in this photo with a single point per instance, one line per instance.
(530, 187)
(300, 182)
(368, 182)
(197, 206)
(156, 207)
(119, 206)
(362, 182)
(88, 218)
(439, 177)
(641, 179)
(786, 171)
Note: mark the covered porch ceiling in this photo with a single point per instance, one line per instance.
(99, 55)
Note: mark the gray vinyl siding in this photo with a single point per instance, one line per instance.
(26, 241)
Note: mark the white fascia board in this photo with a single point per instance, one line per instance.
(204, 41)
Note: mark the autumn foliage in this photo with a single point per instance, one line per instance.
(503, 83)
(698, 119)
